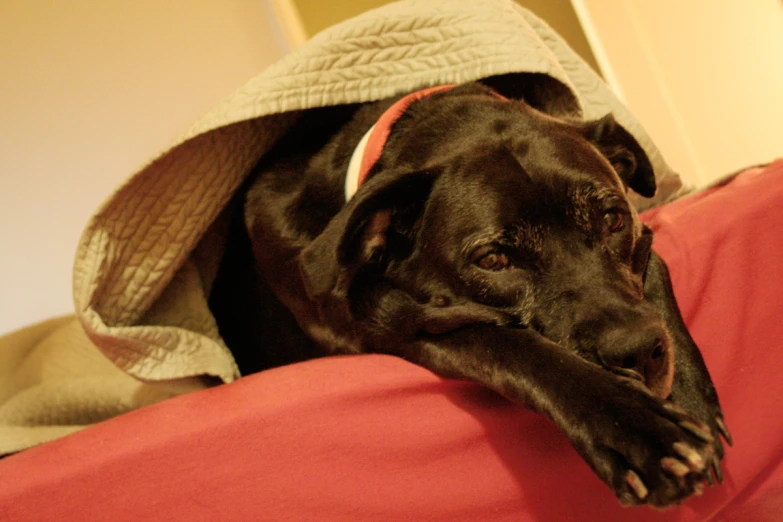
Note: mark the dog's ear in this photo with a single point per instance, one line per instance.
(623, 152)
(360, 233)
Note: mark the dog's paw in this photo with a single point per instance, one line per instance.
(649, 451)
(696, 394)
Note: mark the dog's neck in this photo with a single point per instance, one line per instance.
(369, 149)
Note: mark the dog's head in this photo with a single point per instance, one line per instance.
(487, 210)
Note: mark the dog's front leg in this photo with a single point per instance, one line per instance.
(646, 449)
(692, 388)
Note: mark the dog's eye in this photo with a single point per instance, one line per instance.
(492, 261)
(614, 220)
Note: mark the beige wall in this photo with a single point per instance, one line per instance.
(705, 78)
(320, 14)
(91, 90)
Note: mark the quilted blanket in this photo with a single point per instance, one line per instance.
(146, 260)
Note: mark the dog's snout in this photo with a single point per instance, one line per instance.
(642, 352)
(631, 349)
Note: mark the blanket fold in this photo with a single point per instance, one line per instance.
(146, 259)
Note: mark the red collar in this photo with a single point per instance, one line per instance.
(369, 149)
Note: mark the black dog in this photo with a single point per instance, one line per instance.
(490, 242)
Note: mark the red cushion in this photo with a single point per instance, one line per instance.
(375, 438)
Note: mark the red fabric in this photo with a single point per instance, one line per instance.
(375, 438)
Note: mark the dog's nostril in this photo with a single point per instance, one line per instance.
(629, 363)
(639, 357)
(639, 353)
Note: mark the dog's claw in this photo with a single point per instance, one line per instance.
(675, 467)
(710, 480)
(700, 431)
(628, 373)
(716, 469)
(674, 408)
(636, 484)
(692, 457)
(698, 489)
(724, 431)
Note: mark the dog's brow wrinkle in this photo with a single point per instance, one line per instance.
(480, 239)
(526, 235)
(585, 198)
(580, 197)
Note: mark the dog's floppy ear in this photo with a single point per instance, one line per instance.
(623, 152)
(359, 234)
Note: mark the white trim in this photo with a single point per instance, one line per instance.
(289, 21)
(597, 46)
(355, 166)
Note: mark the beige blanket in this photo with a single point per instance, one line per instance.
(147, 258)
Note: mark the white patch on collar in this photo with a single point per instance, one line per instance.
(362, 160)
(355, 166)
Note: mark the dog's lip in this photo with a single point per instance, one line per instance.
(662, 391)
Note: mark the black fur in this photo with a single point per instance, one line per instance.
(492, 242)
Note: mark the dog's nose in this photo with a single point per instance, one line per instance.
(640, 352)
